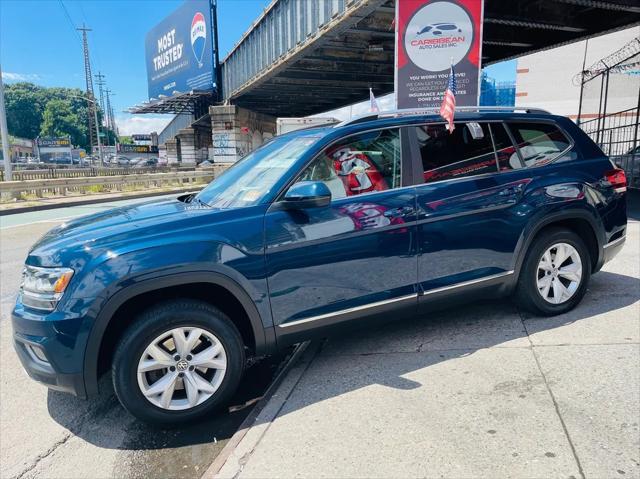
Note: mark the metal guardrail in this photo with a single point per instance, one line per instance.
(83, 172)
(62, 186)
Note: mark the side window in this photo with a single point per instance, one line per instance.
(539, 143)
(508, 158)
(467, 151)
(360, 164)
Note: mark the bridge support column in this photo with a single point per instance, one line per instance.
(187, 137)
(237, 131)
(172, 151)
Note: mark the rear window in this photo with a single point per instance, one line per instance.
(539, 143)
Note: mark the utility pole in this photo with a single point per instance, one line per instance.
(112, 121)
(100, 82)
(94, 135)
(4, 133)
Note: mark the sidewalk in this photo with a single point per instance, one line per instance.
(479, 391)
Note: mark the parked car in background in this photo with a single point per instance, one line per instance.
(630, 162)
(143, 163)
(376, 218)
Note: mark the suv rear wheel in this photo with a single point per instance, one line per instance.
(555, 274)
(178, 362)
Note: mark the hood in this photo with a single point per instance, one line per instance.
(112, 227)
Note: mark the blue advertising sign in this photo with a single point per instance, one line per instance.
(179, 51)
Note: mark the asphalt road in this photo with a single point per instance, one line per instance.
(49, 434)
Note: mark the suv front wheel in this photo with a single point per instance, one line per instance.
(179, 361)
(555, 274)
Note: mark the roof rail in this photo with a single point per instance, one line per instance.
(436, 111)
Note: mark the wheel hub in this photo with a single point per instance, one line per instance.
(182, 368)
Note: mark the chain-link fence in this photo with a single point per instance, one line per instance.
(610, 107)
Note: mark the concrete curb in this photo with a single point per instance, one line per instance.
(231, 460)
(92, 201)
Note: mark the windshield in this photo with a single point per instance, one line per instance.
(247, 182)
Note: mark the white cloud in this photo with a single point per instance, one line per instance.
(129, 125)
(17, 77)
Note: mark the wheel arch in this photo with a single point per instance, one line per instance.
(580, 221)
(107, 320)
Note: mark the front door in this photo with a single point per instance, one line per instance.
(355, 257)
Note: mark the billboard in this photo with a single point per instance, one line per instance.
(179, 51)
(430, 36)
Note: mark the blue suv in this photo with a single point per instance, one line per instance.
(379, 217)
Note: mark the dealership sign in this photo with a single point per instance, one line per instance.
(125, 148)
(57, 142)
(431, 35)
(179, 51)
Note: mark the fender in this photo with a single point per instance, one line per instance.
(264, 345)
(544, 219)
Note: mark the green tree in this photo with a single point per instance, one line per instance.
(60, 119)
(25, 106)
(126, 140)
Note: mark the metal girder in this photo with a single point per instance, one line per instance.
(631, 7)
(299, 59)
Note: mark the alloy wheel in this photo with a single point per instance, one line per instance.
(559, 273)
(182, 368)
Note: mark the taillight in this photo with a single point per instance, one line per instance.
(617, 179)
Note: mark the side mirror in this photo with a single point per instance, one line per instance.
(306, 194)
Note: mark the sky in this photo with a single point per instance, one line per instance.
(38, 43)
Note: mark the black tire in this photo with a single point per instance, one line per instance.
(150, 324)
(527, 295)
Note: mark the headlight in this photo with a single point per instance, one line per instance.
(42, 288)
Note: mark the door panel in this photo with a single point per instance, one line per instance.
(468, 226)
(467, 229)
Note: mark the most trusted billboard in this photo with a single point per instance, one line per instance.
(179, 51)
(431, 36)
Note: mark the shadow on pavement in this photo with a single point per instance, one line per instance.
(447, 333)
(103, 422)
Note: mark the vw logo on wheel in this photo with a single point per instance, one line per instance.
(182, 365)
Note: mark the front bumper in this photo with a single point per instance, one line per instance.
(51, 349)
(44, 373)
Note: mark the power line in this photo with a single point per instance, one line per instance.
(73, 26)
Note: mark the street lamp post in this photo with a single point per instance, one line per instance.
(5, 133)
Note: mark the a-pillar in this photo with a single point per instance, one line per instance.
(237, 131)
(187, 139)
(172, 151)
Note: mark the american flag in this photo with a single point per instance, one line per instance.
(448, 107)
(373, 103)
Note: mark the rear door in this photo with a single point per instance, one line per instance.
(467, 226)
(355, 257)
